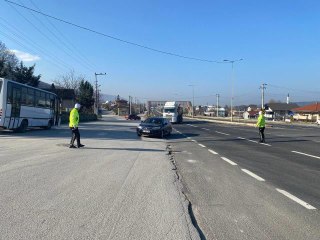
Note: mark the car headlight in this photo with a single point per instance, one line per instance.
(156, 128)
(139, 127)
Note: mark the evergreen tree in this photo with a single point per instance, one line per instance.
(23, 74)
(85, 95)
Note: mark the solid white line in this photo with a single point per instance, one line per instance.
(229, 161)
(306, 154)
(201, 145)
(223, 133)
(213, 152)
(266, 144)
(303, 203)
(253, 175)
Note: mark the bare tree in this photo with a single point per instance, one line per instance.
(69, 80)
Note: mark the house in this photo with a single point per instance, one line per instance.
(280, 111)
(250, 114)
(309, 112)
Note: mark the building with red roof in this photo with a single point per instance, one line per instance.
(309, 112)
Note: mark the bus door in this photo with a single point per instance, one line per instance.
(15, 107)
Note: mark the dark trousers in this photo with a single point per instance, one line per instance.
(75, 135)
(261, 133)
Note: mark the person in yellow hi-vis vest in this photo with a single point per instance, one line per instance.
(261, 124)
(74, 124)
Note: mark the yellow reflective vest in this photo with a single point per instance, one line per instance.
(261, 121)
(74, 118)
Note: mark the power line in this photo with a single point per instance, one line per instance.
(114, 38)
(47, 37)
(63, 39)
(24, 46)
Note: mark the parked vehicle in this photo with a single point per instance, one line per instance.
(173, 112)
(155, 126)
(23, 106)
(133, 117)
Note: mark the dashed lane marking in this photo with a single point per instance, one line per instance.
(306, 154)
(223, 133)
(252, 140)
(297, 200)
(193, 140)
(253, 175)
(207, 129)
(201, 145)
(229, 161)
(242, 138)
(213, 152)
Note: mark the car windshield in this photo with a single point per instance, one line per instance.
(169, 110)
(154, 120)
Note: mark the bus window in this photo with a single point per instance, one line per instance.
(24, 92)
(30, 97)
(47, 100)
(42, 101)
(37, 98)
(9, 93)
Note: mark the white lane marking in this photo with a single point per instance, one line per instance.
(189, 137)
(193, 140)
(201, 145)
(223, 133)
(252, 141)
(229, 161)
(266, 144)
(191, 161)
(253, 175)
(207, 129)
(213, 152)
(297, 200)
(242, 138)
(306, 154)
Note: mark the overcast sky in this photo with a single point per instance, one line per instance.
(277, 40)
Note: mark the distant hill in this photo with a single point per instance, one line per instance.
(107, 97)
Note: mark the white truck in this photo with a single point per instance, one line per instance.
(173, 112)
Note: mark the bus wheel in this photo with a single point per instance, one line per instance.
(49, 125)
(23, 126)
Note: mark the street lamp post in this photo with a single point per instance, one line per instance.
(192, 85)
(97, 93)
(232, 80)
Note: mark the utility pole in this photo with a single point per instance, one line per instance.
(129, 104)
(97, 94)
(192, 85)
(232, 80)
(217, 105)
(262, 87)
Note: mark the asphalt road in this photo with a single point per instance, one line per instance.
(119, 186)
(241, 189)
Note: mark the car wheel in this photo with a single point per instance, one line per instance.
(139, 134)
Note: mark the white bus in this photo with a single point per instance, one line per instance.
(23, 106)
